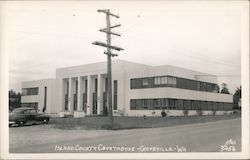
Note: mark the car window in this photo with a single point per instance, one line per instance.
(32, 111)
(26, 112)
(17, 111)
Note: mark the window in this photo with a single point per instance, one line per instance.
(145, 82)
(29, 91)
(75, 96)
(75, 102)
(192, 104)
(192, 85)
(187, 104)
(177, 104)
(66, 102)
(165, 103)
(95, 86)
(27, 112)
(221, 106)
(170, 80)
(228, 106)
(198, 86)
(32, 111)
(157, 103)
(196, 105)
(115, 94)
(132, 104)
(144, 104)
(216, 106)
(150, 104)
(203, 86)
(203, 105)
(45, 99)
(139, 83)
(24, 92)
(157, 80)
(210, 105)
(164, 80)
(138, 104)
(133, 83)
(173, 104)
(174, 81)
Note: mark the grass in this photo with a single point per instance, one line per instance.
(99, 122)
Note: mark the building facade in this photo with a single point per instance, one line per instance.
(138, 90)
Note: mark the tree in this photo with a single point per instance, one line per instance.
(237, 97)
(14, 100)
(224, 88)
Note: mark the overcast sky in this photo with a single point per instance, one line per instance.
(202, 36)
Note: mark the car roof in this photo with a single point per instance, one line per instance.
(25, 108)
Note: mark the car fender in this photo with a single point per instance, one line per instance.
(42, 117)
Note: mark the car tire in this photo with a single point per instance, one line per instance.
(46, 121)
(21, 123)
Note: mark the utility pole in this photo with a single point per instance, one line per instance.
(109, 54)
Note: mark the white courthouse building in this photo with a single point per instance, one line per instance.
(138, 90)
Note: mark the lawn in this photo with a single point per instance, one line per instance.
(99, 122)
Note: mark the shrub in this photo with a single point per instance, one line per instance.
(153, 114)
(163, 113)
(214, 112)
(120, 112)
(199, 112)
(185, 112)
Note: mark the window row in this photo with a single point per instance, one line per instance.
(177, 104)
(30, 91)
(169, 81)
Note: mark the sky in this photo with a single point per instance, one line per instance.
(202, 36)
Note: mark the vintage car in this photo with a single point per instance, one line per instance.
(27, 115)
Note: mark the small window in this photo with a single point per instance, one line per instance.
(157, 80)
(133, 83)
(32, 111)
(29, 91)
(133, 104)
(144, 104)
(165, 103)
(26, 112)
(157, 103)
(170, 80)
(164, 80)
(174, 81)
(145, 82)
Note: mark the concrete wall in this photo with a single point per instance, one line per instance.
(176, 93)
(51, 93)
(157, 113)
(150, 71)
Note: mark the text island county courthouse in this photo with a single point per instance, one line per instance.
(138, 90)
